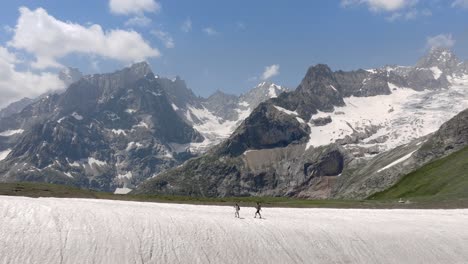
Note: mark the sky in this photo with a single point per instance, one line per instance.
(218, 45)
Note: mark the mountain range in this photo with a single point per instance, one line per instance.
(337, 135)
(111, 132)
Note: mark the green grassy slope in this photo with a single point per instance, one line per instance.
(442, 179)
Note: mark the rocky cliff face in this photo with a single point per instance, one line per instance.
(339, 134)
(103, 132)
(15, 107)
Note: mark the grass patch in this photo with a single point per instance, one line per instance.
(443, 179)
(36, 190)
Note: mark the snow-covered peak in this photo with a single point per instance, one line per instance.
(442, 54)
(260, 93)
(267, 89)
(442, 58)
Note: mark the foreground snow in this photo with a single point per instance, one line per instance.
(50, 230)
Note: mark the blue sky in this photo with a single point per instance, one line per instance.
(229, 44)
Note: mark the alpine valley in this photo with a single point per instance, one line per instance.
(337, 135)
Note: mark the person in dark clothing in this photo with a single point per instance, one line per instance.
(237, 208)
(258, 207)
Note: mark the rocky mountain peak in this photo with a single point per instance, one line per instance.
(262, 92)
(272, 89)
(442, 58)
(141, 68)
(70, 75)
(318, 73)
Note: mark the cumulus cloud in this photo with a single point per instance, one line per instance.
(270, 71)
(394, 10)
(164, 37)
(210, 31)
(15, 85)
(381, 5)
(129, 7)
(49, 39)
(460, 3)
(139, 21)
(186, 25)
(441, 41)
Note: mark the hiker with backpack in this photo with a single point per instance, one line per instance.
(237, 208)
(258, 207)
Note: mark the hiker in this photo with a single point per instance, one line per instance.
(259, 208)
(237, 208)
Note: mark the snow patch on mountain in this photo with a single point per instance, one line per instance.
(217, 117)
(119, 132)
(75, 164)
(387, 121)
(400, 160)
(4, 154)
(286, 111)
(92, 161)
(142, 124)
(127, 175)
(274, 90)
(77, 116)
(123, 190)
(437, 72)
(213, 128)
(9, 133)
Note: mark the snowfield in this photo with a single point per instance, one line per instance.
(400, 117)
(51, 230)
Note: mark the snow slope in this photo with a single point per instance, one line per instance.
(51, 230)
(398, 118)
(216, 128)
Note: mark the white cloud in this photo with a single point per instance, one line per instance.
(270, 71)
(460, 3)
(49, 39)
(128, 7)
(381, 5)
(441, 41)
(15, 85)
(8, 29)
(210, 31)
(139, 21)
(409, 15)
(186, 25)
(164, 37)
